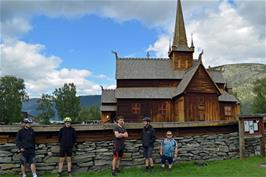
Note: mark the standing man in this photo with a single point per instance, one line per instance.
(25, 142)
(67, 139)
(168, 150)
(148, 139)
(119, 144)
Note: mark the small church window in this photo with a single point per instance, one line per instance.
(135, 108)
(162, 108)
(228, 111)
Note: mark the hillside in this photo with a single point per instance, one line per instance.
(242, 76)
(85, 101)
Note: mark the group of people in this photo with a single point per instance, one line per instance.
(25, 141)
(168, 146)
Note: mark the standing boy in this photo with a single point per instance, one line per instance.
(25, 142)
(119, 144)
(148, 139)
(168, 150)
(67, 139)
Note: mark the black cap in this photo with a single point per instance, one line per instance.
(148, 119)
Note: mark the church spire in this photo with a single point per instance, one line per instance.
(180, 38)
(180, 54)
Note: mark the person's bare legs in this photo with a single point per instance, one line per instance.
(117, 163)
(61, 164)
(151, 162)
(69, 164)
(23, 170)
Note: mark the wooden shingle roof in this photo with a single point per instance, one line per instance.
(145, 93)
(226, 97)
(108, 96)
(154, 68)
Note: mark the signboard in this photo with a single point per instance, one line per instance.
(251, 127)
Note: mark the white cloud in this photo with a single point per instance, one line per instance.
(41, 73)
(225, 36)
(160, 47)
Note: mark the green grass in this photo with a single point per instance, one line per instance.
(249, 167)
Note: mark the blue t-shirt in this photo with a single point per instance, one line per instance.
(168, 146)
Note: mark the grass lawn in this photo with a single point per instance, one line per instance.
(227, 168)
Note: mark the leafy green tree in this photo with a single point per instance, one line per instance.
(259, 102)
(12, 93)
(66, 101)
(45, 108)
(89, 113)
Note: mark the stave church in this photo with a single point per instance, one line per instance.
(174, 89)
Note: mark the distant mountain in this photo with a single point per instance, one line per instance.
(242, 76)
(90, 100)
(31, 105)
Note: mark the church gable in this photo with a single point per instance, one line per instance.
(201, 82)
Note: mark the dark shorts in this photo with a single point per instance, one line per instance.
(65, 151)
(119, 151)
(147, 151)
(168, 159)
(27, 158)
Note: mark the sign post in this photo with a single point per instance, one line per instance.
(251, 127)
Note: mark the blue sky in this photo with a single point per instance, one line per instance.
(49, 43)
(87, 42)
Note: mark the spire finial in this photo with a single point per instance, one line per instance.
(192, 43)
(180, 38)
(200, 56)
(115, 53)
(148, 54)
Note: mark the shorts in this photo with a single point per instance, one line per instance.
(119, 151)
(27, 157)
(148, 151)
(168, 159)
(65, 151)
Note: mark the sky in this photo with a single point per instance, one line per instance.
(49, 43)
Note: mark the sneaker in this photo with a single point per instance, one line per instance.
(24, 175)
(34, 175)
(170, 166)
(113, 173)
(163, 166)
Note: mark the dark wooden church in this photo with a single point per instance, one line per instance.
(174, 89)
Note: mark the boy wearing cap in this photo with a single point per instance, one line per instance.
(119, 144)
(25, 141)
(148, 139)
(168, 150)
(67, 139)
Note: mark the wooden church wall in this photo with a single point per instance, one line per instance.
(201, 107)
(179, 111)
(226, 114)
(148, 107)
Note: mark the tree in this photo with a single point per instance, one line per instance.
(45, 108)
(259, 102)
(89, 113)
(66, 101)
(12, 93)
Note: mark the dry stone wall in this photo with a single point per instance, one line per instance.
(91, 156)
